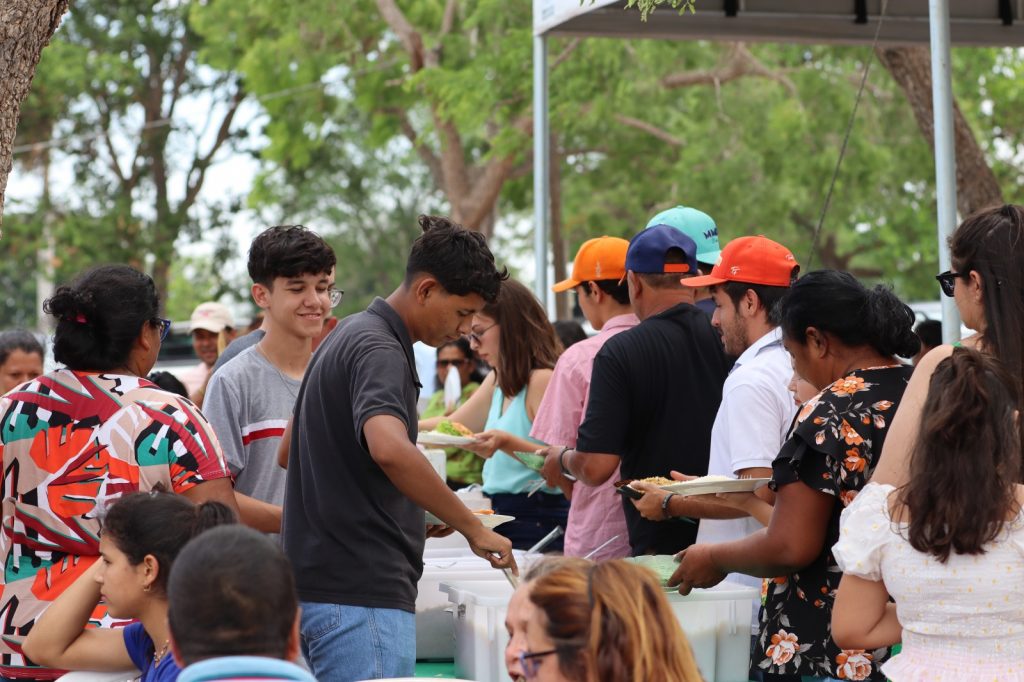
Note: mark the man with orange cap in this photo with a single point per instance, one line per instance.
(596, 519)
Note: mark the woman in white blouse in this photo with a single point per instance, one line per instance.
(949, 545)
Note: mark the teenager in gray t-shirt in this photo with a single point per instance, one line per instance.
(250, 429)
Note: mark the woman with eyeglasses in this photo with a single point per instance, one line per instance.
(81, 436)
(987, 283)
(514, 336)
(462, 466)
(587, 622)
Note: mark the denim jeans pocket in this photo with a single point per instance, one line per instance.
(319, 619)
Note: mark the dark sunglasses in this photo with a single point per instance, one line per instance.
(451, 363)
(947, 281)
(165, 327)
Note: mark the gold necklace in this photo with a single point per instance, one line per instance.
(159, 656)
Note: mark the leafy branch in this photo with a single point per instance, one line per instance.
(648, 6)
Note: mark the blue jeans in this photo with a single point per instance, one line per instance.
(348, 643)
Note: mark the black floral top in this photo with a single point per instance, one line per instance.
(834, 446)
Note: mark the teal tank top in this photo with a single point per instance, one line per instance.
(503, 473)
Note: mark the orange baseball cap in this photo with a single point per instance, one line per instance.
(597, 259)
(751, 260)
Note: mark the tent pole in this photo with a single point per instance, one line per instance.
(541, 167)
(945, 154)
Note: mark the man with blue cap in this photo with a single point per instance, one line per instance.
(701, 228)
(655, 388)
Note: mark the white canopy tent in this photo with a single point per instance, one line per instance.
(940, 22)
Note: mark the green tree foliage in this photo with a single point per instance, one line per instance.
(141, 123)
(377, 110)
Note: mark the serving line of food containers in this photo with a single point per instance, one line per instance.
(462, 603)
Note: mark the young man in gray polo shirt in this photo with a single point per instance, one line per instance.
(357, 485)
(250, 400)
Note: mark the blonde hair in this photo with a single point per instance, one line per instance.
(611, 621)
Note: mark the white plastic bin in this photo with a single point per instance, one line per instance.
(479, 609)
(435, 630)
(717, 624)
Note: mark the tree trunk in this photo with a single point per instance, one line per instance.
(976, 184)
(562, 310)
(25, 29)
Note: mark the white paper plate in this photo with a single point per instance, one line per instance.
(733, 485)
(489, 520)
(442, 439)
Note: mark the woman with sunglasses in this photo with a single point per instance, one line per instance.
(462, 466)
(514, 336)
(987, 283)
(589, 622)
(78, 437)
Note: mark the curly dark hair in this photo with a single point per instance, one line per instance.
(836, 302)
(288, 251)
(457, 258)
(99, 315)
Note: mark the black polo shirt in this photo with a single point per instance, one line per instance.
(351, 536)
(654, 394)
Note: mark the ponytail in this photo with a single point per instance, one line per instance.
(210, 514)
(966, 462)
(891, 323)
(158, 524)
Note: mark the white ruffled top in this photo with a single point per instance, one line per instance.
(962, 620)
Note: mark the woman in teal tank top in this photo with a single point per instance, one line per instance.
(514, 336)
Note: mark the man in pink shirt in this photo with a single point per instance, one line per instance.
(595, 513)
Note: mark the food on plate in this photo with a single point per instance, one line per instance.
(483, 512)
(656, 480)
(707, 479)
(450, 428)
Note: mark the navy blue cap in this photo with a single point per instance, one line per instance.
(646, 254)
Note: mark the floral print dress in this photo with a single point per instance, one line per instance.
(834, 447)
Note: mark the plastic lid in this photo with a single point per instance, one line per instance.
(481, 592)
(723, 591)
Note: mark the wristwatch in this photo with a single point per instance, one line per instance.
(561, 463)
(664, 505)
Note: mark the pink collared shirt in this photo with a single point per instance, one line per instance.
(595, 513)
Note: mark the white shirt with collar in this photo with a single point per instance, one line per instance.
(751, 425)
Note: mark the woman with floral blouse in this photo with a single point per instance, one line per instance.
(844, 340)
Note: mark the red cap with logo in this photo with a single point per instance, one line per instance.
(751, 260)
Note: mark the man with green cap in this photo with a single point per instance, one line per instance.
(701, 228)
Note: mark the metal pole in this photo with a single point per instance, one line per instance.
(945, 154)
(541, 166)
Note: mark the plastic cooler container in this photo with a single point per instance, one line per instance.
(716, 622)
(435, 630)
(479, 608)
